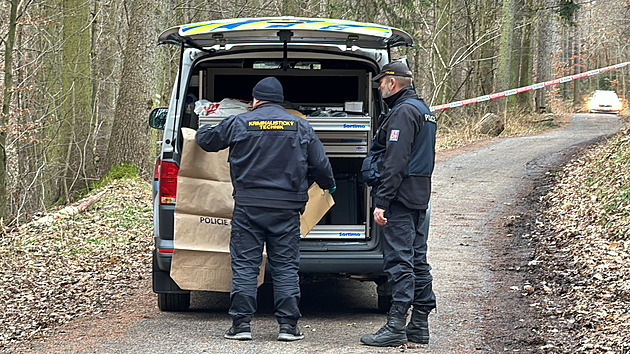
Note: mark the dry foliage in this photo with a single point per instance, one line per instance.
(583, 253)
(516, 123)
(53, 273)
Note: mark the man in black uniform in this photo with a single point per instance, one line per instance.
(272, 155)
(407, 135)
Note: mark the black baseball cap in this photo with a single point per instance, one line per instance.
(396, 68)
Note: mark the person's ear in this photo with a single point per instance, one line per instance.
(393, 82)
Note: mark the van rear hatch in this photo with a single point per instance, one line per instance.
(297, 29)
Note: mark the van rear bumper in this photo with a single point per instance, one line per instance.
(353, 263)
(342, 262)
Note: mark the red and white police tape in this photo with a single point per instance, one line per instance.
(526, 88)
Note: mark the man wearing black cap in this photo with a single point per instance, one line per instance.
(272, 156)
(406, 138)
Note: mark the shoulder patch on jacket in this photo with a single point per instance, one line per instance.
(430, 118)
(393, 136)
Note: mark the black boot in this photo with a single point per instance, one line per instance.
(392, 334)
(418, 327)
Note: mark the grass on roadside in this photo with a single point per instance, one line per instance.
(461, 130)
(53, 272)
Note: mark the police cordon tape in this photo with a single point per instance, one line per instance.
(526, 88)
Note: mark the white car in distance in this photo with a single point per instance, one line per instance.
(604, 102)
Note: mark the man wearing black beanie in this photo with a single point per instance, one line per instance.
(272, 155)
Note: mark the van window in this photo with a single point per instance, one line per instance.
(328, 89)
(300, 65)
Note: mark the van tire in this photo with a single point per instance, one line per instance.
(173, 302)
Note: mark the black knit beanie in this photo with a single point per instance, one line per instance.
(268, 89)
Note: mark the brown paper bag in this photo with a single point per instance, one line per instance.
(208, 271)
(199, 164)
(204, 197)
(202, 233)
(201, 260)
(319, 202)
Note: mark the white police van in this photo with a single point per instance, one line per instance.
(325, 67)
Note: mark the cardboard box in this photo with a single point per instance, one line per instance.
(319, 202)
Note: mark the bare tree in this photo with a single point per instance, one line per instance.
(6, 103)
(129, 141)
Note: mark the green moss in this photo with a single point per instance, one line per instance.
(120, 171)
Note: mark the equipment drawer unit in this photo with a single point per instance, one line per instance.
(346, 140)
(343, 137)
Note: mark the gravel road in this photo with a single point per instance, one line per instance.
(475, 263)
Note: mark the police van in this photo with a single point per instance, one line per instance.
(326, 69)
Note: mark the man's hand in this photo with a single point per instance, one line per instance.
(379, 216)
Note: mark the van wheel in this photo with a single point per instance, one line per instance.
(173, 302)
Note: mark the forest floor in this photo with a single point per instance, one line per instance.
(55, 272)
(573, 223)
(576, 221)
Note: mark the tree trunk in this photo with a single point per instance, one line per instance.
(129, 141)
(74, 137)
(517, 50)
(6, 105)
(106, 29)
(525, 98)
(504, 68)
(486, 52)
(576, 64)
(442, 50)
(544, 38)
(567, 51)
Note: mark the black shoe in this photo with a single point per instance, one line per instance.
(392, 334)
(242, 331)
(289, 333)
(418, 327)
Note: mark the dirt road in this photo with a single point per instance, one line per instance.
(475, 262)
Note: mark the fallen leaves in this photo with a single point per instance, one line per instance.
(582, 257)
(51, 273)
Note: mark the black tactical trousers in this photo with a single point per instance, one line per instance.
(405, 258)
(280, 230)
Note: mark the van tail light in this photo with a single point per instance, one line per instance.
(168, 182)
(156, 172)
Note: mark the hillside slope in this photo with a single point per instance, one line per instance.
(582, 240)
(51, 273)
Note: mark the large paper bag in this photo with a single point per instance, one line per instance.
(203, 213)
(319, 202)
(197, 163)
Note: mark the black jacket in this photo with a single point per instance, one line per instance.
(272, 155)
(409, 136)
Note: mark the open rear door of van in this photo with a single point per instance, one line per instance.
(286, 29)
